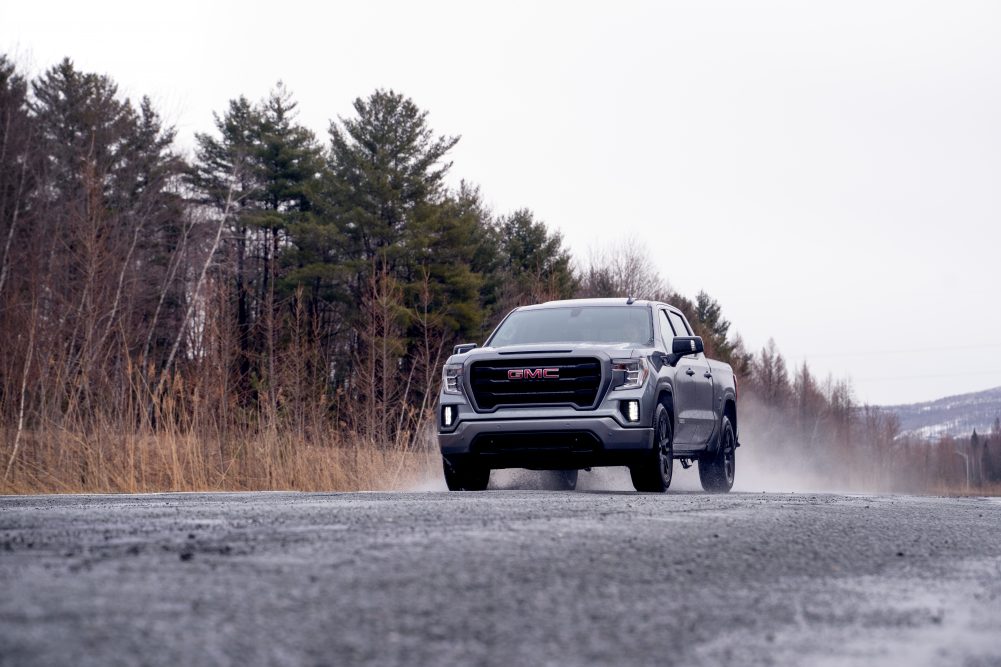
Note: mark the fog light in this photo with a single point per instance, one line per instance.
(448, 415)
(633, 411)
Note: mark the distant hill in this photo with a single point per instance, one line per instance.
(952, 415)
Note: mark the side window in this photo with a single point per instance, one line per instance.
(679, 325)
(666, 330)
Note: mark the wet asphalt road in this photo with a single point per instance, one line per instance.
(499, 578)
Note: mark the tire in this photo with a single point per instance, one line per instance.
(463, 476)
(717, 469)
(560, 480)
(654, 473)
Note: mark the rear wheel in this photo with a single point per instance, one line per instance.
(717, 469)
(465, 476)
(654, 474)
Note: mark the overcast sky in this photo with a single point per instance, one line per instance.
(830, 172)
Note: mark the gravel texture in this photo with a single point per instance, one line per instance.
(500, 578)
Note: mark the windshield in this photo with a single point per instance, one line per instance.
(589, 324)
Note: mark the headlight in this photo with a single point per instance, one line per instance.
(451, 378)
(634, 372)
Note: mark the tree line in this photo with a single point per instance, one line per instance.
(231, 317)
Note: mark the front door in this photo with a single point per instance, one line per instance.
(685, 390)
(688, 426)
(696, 416)
(704, 414)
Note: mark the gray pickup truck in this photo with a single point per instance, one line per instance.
(568, 385)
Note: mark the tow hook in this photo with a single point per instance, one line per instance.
(686, 463)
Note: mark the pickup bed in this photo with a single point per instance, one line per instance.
(569, 385)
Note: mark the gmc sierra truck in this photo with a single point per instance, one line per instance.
(569, 385)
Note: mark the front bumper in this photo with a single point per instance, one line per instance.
(555, 443)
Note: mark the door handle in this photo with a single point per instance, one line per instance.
(708, 375)
(689, 372)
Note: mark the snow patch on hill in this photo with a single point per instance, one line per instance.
(955, 416)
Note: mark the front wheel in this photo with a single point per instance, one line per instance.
(717, 469)
(465, 476)
(654, 474)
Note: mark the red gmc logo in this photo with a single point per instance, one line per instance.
(533, 374)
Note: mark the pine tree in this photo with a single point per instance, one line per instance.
(18, 166)
(106, 215)
(441, 247)
(288, 163)
(386, 164)
(385, 194)
(536, 264)
(111, 178)
(709, 314)
(272, 166)
(225, 171)
(705, 316)
(85, 128)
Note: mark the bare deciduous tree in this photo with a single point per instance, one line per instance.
(624, 269)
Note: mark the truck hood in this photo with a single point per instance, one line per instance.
(618, 351)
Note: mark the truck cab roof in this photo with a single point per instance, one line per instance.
(583, 303)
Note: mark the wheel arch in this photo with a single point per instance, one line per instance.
(730, 411)
(666, 396)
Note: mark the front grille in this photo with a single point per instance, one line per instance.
(577, 382)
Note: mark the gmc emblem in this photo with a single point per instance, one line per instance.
(533, 374)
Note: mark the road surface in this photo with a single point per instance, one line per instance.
(500, 578)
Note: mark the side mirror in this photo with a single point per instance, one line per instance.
(686, 345)
(463, 348)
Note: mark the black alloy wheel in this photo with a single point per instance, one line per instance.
(718, 468)
(654, 474)
(465, 476)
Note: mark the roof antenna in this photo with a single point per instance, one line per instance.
(629, 301)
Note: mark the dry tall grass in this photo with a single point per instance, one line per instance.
(55, 460)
